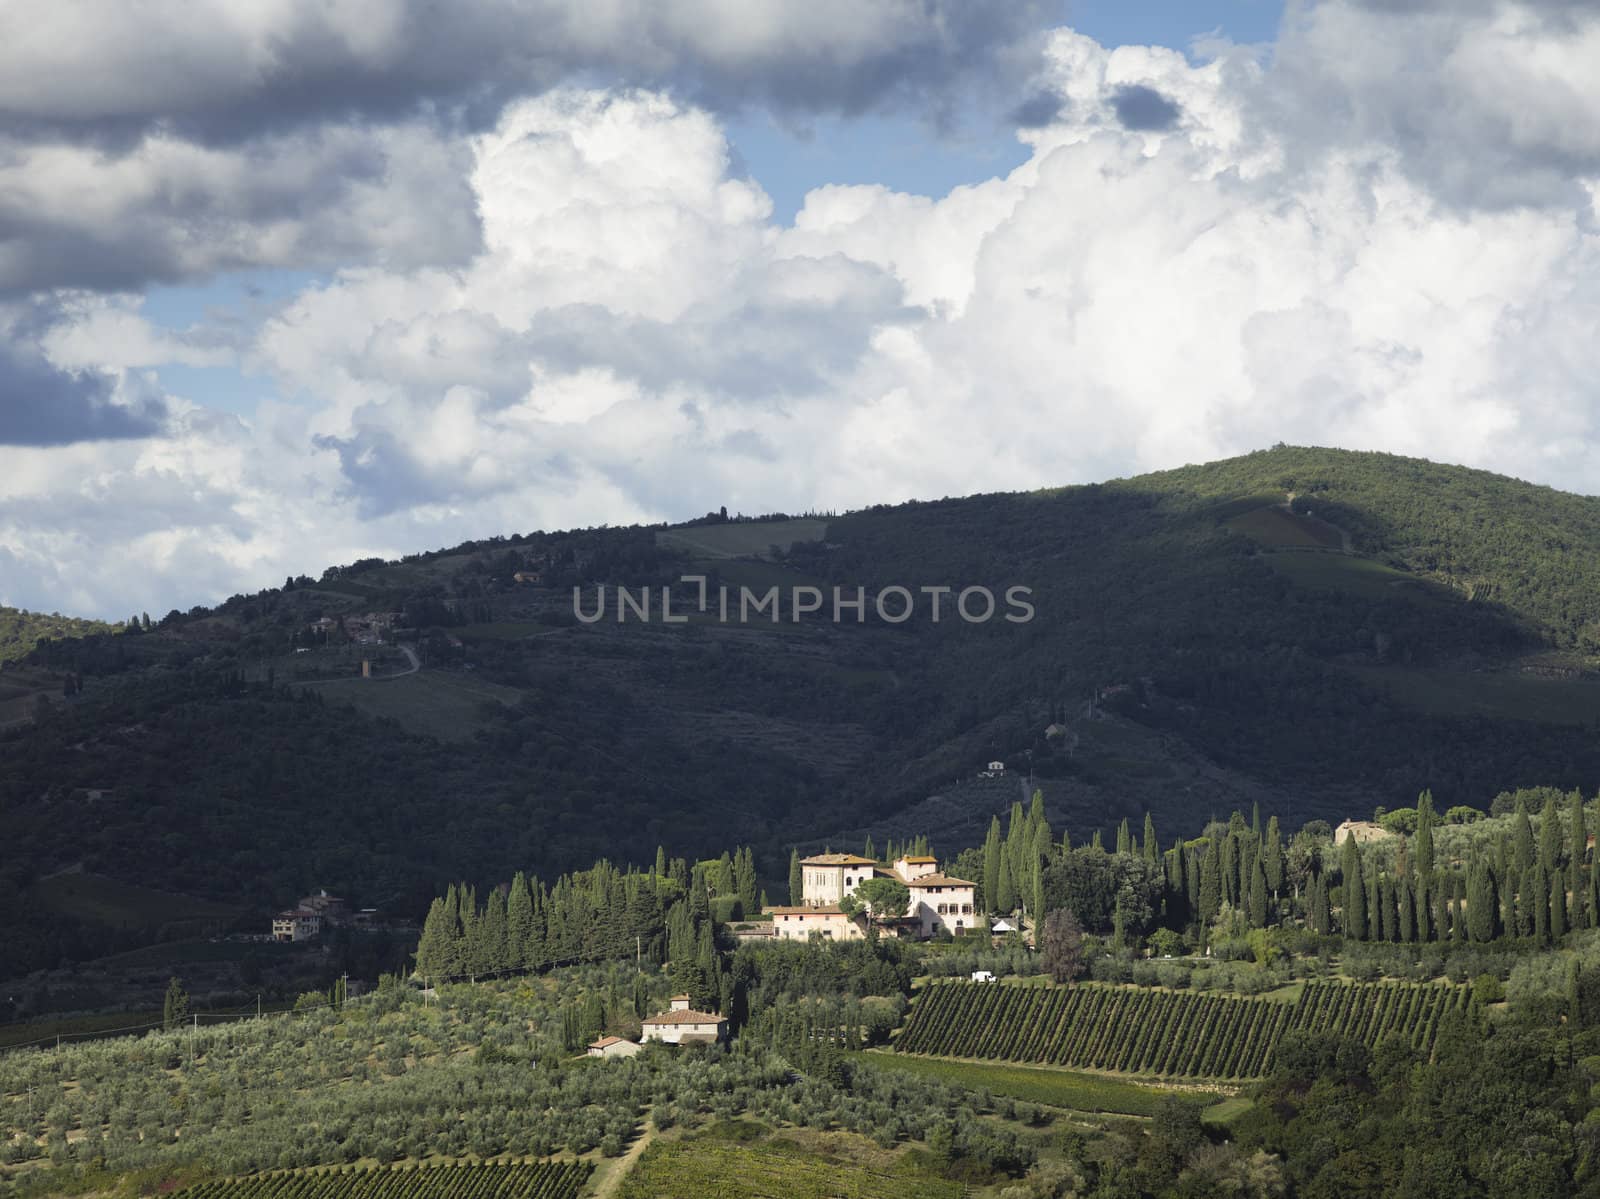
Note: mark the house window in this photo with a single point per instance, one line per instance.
(967, 908)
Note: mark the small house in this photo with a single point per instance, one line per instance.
(614, 1047)
(683, 1025)
(983, 976)
(1363, 831)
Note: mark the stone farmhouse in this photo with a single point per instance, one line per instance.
(614, 1047)
(682, 1025)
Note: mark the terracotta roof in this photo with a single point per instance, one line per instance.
(939, 880)
(831, 909)
(686, 1016)
(675, 998)
(836, 859)
(603, 1042)
(299, 914)
(922, 858)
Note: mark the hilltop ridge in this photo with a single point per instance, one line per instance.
(1328, 629)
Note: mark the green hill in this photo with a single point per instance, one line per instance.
(20, 631)
(1315, 630)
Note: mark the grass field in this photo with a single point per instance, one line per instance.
(1275, 527)
(432, 702)
(777, 1168)
(101, 900)
(1058, 1088)
(744, 539)
(1497, 694)
(503, 630)
(1358, 576)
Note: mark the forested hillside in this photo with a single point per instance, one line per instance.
(1319, 631)
(20, 631)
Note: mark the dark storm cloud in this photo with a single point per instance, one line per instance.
(189, 70)
(41, 405)
(1144, 109)
(1038, 110)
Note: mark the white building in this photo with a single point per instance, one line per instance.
(942, 903)
(296, 924)
(827, 878)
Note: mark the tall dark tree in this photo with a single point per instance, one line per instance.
(1061, 945)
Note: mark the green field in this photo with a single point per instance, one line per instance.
(773, 1169)
(431, 702)
(1057, 1088)
(101, 900)
(503, 630)
(1358, 576)
(741, 539)
(1274, 527)
(462, 1180)
(1497, 694)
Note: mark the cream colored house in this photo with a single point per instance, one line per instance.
(683, 1025)
(614, 1047)
(942, 903)
(296, 924)
(827, 878)
(824, 920)
(908, 868)
(1364, 831)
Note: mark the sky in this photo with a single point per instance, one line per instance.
(287, 283)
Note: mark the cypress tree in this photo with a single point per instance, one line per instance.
(1354, 912)
(1577, 851)
(1036, 893)
(744, 879)
(433, 945)
(797, 888)
(1211, 883)
(991, 866)
(1006, 891)
(1151, 847)
(1272, 857)
(1549, 835)
(1124, 837)
(1521, 837)
(1510, 917)
(1558, 906)
(1482, 903)
(494, 952)
(1375, 913)
(1229, 870)
(1258, 896)
(1538, 898)
(1321, 917)
(1255, 819)
(1425, 834)
(661, 861)
(1406, 913)
(519, 923)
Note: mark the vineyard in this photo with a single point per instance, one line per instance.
(481, 1180)
(1166, 1033)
